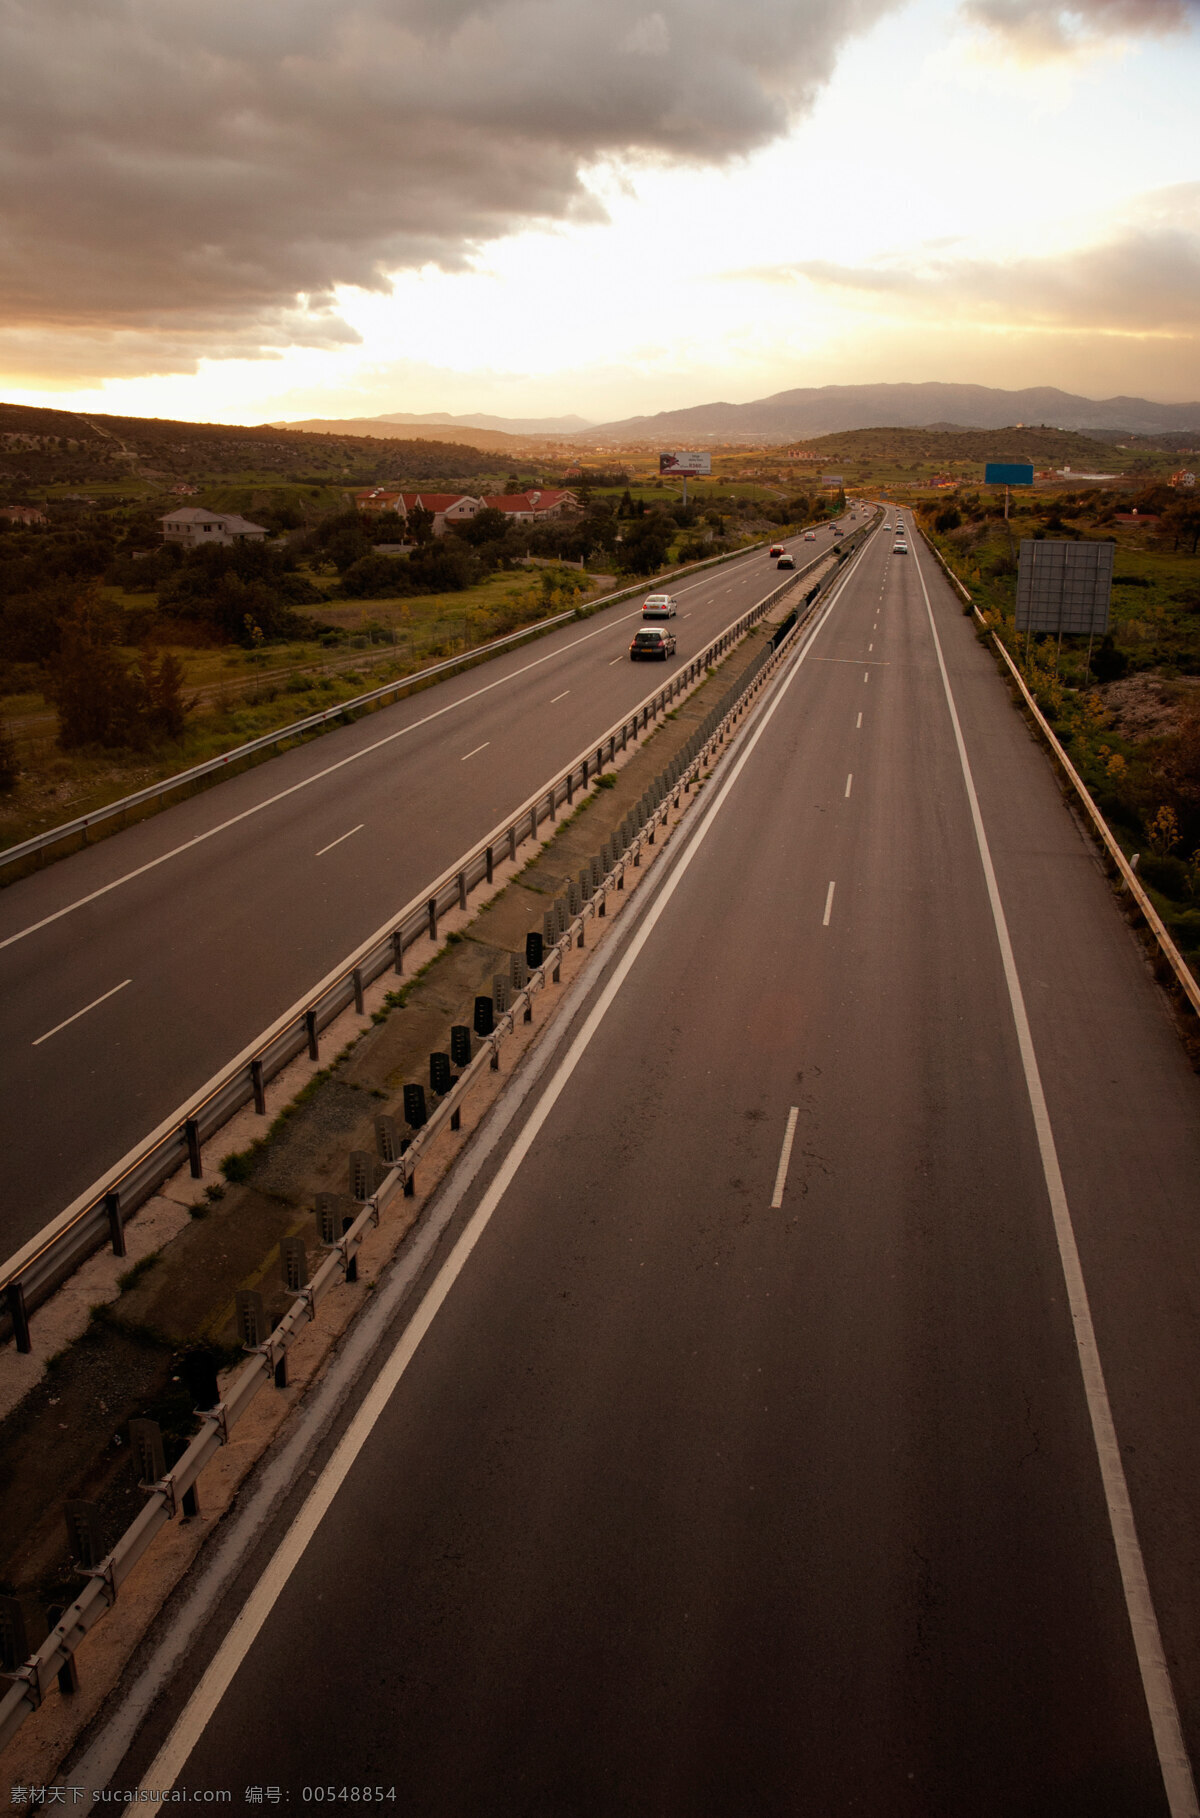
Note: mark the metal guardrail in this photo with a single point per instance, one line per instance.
(267, 1360)
(315, 722)
(99, 1214)
(1184, 975)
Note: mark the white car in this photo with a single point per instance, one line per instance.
(899, 547)
(810, 536)
(660, 606)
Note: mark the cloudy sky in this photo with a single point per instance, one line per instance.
(540, 207)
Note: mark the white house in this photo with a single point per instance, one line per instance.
(193, 526)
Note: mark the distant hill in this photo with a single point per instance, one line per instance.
(42, 447)
(825, 409)
(513, 426)
(943, 446)
(493, 441)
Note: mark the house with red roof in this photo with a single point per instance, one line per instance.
(448, 508)
(533, 507)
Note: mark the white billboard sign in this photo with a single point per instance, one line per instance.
(685, 463)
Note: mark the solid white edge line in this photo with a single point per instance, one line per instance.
(163, 1771)
(104, 996)
(1147, 1639)
(828, 904)
(339, 839)
(785, 1156)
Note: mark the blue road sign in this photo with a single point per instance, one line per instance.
(1008, 473)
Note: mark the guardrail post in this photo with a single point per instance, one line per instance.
(533, 822)
(553, 805)
(310, 1030)
(489, 864)
(398, 950)
(357, 981)
(116, 1222)
(83, 1535)
(570, 786)
(14, 1296)
(351, 1262)
(431, 910)
(512, 844)
(462, 889)
(259, 1088)
(192, 1131)
(251, 1319)
(294, 1261)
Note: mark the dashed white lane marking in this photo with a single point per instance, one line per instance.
(849, 780)
(785, 1156)
(828, 904)
(339, 839)
(74, 1019)
(561, 697)
(475, 753)
(870, 648)
(1173, 1761)
(858, 722)
(616, 660)
(866, 675)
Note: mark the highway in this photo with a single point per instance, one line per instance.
(803, 1420)
(216, 915)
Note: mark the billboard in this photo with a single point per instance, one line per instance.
(1064, 586)
(685, 463)
(1008, 473)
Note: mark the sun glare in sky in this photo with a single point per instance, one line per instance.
(957, 201)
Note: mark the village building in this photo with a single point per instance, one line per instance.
(23, 514)
(533, 507)
(194, 527)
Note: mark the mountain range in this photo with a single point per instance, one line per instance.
(825, 409)
(794, 415)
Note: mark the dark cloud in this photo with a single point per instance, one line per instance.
(1145, 279)
(1035, 30)
(195, 181)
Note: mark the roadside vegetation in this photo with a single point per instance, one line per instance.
(1128, 709)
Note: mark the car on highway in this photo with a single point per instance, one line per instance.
(660, 606)
(899, 547)
(838, 531)
(810, 536)
(776, 549)
(656, 643)
(785, 561)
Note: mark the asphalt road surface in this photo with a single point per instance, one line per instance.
(750, 1462)
(114, 1013)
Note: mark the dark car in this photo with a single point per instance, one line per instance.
(652, 643)
(785, 561)
(776, 549)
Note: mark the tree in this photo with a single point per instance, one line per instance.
(419, 525)
(101, 698)
(10, 767)
(643, 548)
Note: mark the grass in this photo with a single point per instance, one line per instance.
(1155, 622)
(241, 695)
